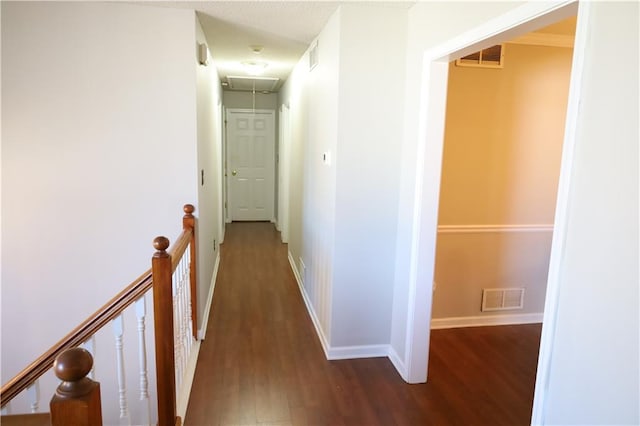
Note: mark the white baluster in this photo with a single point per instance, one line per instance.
(90, 345)
(141, 312)
(176, 326)
(189, 296)
(6, 410)
(185, 303)
(118, 331)
(33, 392)
(182, 312)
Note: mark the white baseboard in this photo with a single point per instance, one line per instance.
(207, 310)
(485, 320)
(363, 351)
(312, 312)
(182, 398)
(335, 352)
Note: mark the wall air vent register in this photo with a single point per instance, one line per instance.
(501, 299)
(491, 57)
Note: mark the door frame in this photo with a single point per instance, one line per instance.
(227, 185)
(284, 144)
(424, 224)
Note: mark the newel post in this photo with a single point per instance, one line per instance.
(189, 222)
(164, 339)
(77, 399)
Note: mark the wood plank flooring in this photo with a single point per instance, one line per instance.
(262, 364)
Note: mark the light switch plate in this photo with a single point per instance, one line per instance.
(326, 158)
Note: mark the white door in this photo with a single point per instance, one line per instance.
(250, 164)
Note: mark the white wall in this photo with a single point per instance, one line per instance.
(209, 122)
(367, 165)
(313, 100)
(99, 156)
(344, 215)
(593, 372)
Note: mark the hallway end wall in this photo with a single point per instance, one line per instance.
(246, 100)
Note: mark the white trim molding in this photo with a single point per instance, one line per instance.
(476, 229)
(424, 223)
(362, 351)
(545, 39)
(485, 320)
(205, 316)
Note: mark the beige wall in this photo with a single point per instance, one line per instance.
(501, 161)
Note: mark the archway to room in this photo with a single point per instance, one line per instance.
(504, 128)
(435, 73)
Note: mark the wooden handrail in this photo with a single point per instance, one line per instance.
(159, 278)
(179, 247)
(163, 264)
(76, 337)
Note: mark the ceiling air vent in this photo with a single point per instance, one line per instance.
(491, 57)
(249, 84)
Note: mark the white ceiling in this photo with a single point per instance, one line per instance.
(284, 29)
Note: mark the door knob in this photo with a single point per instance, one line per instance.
(234, 172)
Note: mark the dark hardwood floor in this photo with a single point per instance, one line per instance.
(262, 363)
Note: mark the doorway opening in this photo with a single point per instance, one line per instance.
(250, 170)
(501, 162)
(431, 136)
(503, 137)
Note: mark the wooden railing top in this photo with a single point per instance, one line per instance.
(76, 337)
(101, 317)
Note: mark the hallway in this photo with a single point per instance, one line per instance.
(262, 363)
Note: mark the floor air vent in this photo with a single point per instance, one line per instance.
(501, 299)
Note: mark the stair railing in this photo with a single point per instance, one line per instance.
(172, 278)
